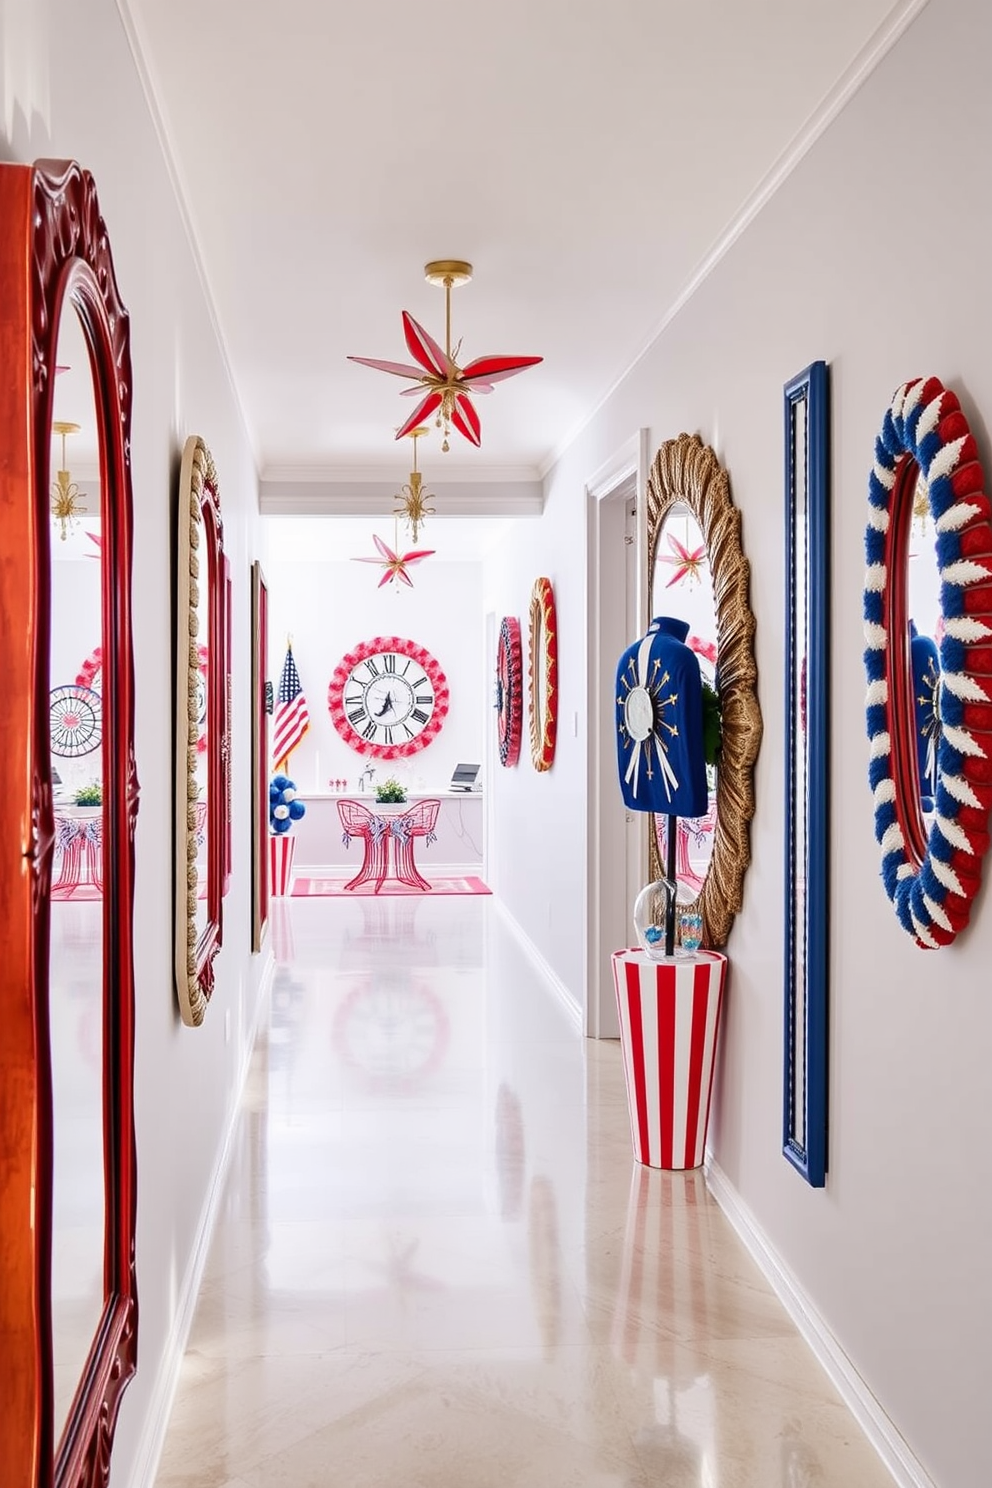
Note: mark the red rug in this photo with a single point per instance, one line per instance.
(305, 888)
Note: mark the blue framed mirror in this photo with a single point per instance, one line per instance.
(807, 820)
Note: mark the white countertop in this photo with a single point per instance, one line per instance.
(421, 795)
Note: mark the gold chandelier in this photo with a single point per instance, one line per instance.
(66, 501)
(412, 499)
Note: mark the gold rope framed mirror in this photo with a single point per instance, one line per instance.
(685, 473)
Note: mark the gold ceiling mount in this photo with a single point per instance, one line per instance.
(447, 273)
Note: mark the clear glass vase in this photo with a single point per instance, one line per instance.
(650, 911)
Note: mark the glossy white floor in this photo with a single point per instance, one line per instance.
(438, 1266)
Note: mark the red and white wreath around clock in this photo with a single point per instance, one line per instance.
(388, 698)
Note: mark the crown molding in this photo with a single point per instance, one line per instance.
(392, 474)
(140, 51)
(362, 498)
(881, 41)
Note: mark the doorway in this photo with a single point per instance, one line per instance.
(617, 615)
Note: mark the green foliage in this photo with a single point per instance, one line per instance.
(712, 723)
(390, 790)
(89, 795)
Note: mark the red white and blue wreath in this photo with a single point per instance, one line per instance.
(932, 898)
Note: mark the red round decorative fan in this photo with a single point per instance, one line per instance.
(75, 721)
(388, 698)
(509, 691)
(543, 675)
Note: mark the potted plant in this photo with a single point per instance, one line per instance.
(390, 792)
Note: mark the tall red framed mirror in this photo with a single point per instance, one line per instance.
(68, 1297)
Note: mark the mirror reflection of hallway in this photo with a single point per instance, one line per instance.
(76, 968)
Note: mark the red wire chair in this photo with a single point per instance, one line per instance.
(358, 821)
(419, 821)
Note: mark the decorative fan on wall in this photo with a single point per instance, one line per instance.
(90, 674)
(75, 721)
(447, 387)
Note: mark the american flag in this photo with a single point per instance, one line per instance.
(292, 717)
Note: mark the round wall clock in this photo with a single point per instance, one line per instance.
(543, 675)
(388, 698)
(509, 691)
(75, 722)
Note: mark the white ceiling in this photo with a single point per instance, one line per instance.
(585, 155)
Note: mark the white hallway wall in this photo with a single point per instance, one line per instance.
(69, 88)
(874, 255)
(329, 607)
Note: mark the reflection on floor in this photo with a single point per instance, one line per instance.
(437, 1265)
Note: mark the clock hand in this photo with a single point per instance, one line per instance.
(387, 706)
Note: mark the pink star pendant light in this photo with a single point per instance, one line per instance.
(687, 562)
(448, 386)
(395, 564)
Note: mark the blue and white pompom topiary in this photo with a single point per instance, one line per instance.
(284, 806)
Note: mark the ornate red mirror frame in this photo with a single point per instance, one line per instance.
(200, 561)
(55, 254)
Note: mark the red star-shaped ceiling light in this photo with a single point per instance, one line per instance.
(447, 385)
(395, 563)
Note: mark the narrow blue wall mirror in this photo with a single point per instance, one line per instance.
(807, 821)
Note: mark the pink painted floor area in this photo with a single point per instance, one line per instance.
(307, 888)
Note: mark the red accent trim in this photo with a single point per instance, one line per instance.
(339, 680)
(465, 419)
(55, 258)
(665, 984)
(423, 348)
(420, 414)
(491, 368)
(697, 1048)
(633, 988)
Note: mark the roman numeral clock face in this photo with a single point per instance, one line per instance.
(388, 697)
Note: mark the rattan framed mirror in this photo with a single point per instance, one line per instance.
(686, 473)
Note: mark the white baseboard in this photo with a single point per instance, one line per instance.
(906, 1469)
(568, 1003)
(156, 1422)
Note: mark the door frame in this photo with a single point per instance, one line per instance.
(622, 476)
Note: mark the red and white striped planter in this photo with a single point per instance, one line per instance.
(281, 850)
(669, 1019)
